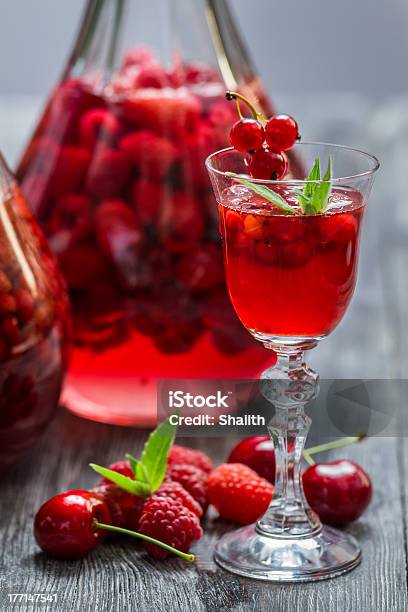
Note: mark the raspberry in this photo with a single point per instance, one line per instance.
(238, 493)
(170, 522)
(151, 76)
(82, 266)
(125, 508)
(108, 174)
(181, 223)
(168, 114)
(98, 124)
(120, 239)
(182, 454)
(69, 172)
(71, 215)
(151, 155)
(193, 480)
(139, 56)
(177, 492)
(202, 269)
(122, 467)
(147, 197)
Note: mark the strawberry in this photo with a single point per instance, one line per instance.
(238, 493)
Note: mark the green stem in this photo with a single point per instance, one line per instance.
(233, 95)
(141, 536)
(321, 448)
(308, 458)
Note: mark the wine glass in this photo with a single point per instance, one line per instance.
(290, 277)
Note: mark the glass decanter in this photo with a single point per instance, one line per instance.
(115, 174)
(34, 325)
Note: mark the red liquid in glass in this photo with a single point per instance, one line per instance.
(290, 276)
(117, 179)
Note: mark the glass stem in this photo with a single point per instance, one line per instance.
(291, 385)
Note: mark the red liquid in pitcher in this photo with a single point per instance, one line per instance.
(116, 176)
(290, 276)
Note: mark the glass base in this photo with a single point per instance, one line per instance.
(325, 554)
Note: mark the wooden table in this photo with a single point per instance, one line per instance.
(370, 343)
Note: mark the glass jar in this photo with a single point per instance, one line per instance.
(34, 325)
(115, 174)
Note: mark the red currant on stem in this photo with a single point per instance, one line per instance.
(246, 134)
(267, 165)
(281, 132)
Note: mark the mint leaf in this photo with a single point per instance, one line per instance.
(313, 176)
(320, 198)
(314, 198)
(133, 462)
(153, 462)
(267, 193)
(124, 482)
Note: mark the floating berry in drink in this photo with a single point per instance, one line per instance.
(247, 135)
(70, 170)
(181, 223)
(120, 239)
(148, 197)
(296, 253)
(98, 125)
(108, 174)
(267, 165)
(201, 269)
(151, 155)
(281, 133)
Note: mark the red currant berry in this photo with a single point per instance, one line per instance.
(281, 132)
(267, 165)
(247, 135)
(63, 526)
(339, 491)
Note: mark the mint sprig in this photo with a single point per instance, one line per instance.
(266, 193)
(150, 470)
(314, 198)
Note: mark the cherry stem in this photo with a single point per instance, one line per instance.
(321, 448)
(233, 95)
(141, 536)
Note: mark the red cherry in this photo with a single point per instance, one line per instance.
(247, 135)
(267, 165)
(63, 526)
(258, 453)
(339, 491)
(281, 132)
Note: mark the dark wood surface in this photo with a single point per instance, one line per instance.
(370, 343)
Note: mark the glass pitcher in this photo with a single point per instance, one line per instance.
(115, 174)
(34, 325)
